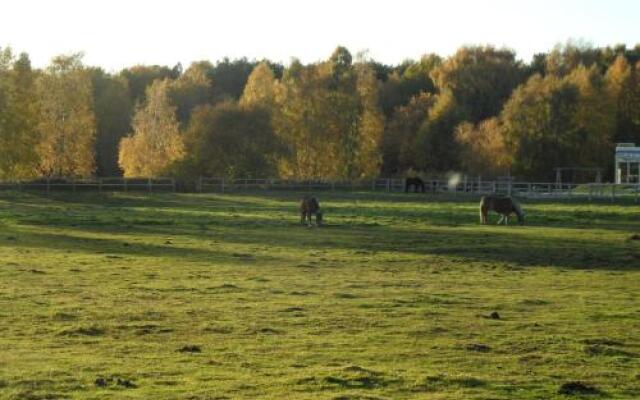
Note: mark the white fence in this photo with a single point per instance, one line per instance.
(463, 186)
(206, 185)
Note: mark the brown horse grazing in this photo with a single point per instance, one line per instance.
(502, 205)
(309, 205)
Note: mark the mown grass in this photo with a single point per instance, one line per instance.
(182, 296)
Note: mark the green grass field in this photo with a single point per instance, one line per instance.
(183, 296)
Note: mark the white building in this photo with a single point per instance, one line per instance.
(627, 166)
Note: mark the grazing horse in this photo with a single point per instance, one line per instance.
(309, 205)
(416, 182)
(502, 205)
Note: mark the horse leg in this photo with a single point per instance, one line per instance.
(484, 212)
(302, 218)
(306, 219)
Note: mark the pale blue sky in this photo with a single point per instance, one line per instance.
(119, 33)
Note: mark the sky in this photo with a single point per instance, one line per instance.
(116, 34)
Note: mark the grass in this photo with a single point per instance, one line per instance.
(184, 296)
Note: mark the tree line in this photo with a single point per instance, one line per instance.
(480, 111)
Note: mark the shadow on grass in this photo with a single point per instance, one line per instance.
(275, 224)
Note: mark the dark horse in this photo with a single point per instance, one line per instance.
(416, 182)
(309, 206)
(502, 205)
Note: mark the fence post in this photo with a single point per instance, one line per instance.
(149, 185)
(125, 184)
(173, 184)
(73, 185)
(99, 185)
(48, 185)
(222, 185)
(199, 188)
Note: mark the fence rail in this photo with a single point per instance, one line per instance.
(116, 184)
(476, 186)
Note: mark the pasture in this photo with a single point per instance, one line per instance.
(226, 296)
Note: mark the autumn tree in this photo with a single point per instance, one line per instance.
(328, 115)
(18, 117)
(231, 141)
(261, 87)
(140, 77)
(623, 83)
(483, 148)
(566, 57)
(436, 148)
(400, 150)
(480, 79)
(407, 80)
(191, 89)
(299, 121)
(595, 118)
(230, 77)
(559, 122)
(67, 126)
(155, 142)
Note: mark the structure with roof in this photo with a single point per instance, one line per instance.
(627, 164)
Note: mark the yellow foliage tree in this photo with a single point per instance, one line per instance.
(260, 89)
(329, 118)
(18, 117)
(483, 148)
(67, 125)
(155, 142)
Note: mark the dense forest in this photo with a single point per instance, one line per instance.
(481, 111)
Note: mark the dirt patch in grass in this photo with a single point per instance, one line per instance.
(114, 381)
(62, 316)
(263, 331)
(84, 331)
(223, 330)
(191, 348)
(438, 382)
(478, 347)
(355, 376)
(602, 350)
(293, 309)
(603, 342)
(578, 388)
